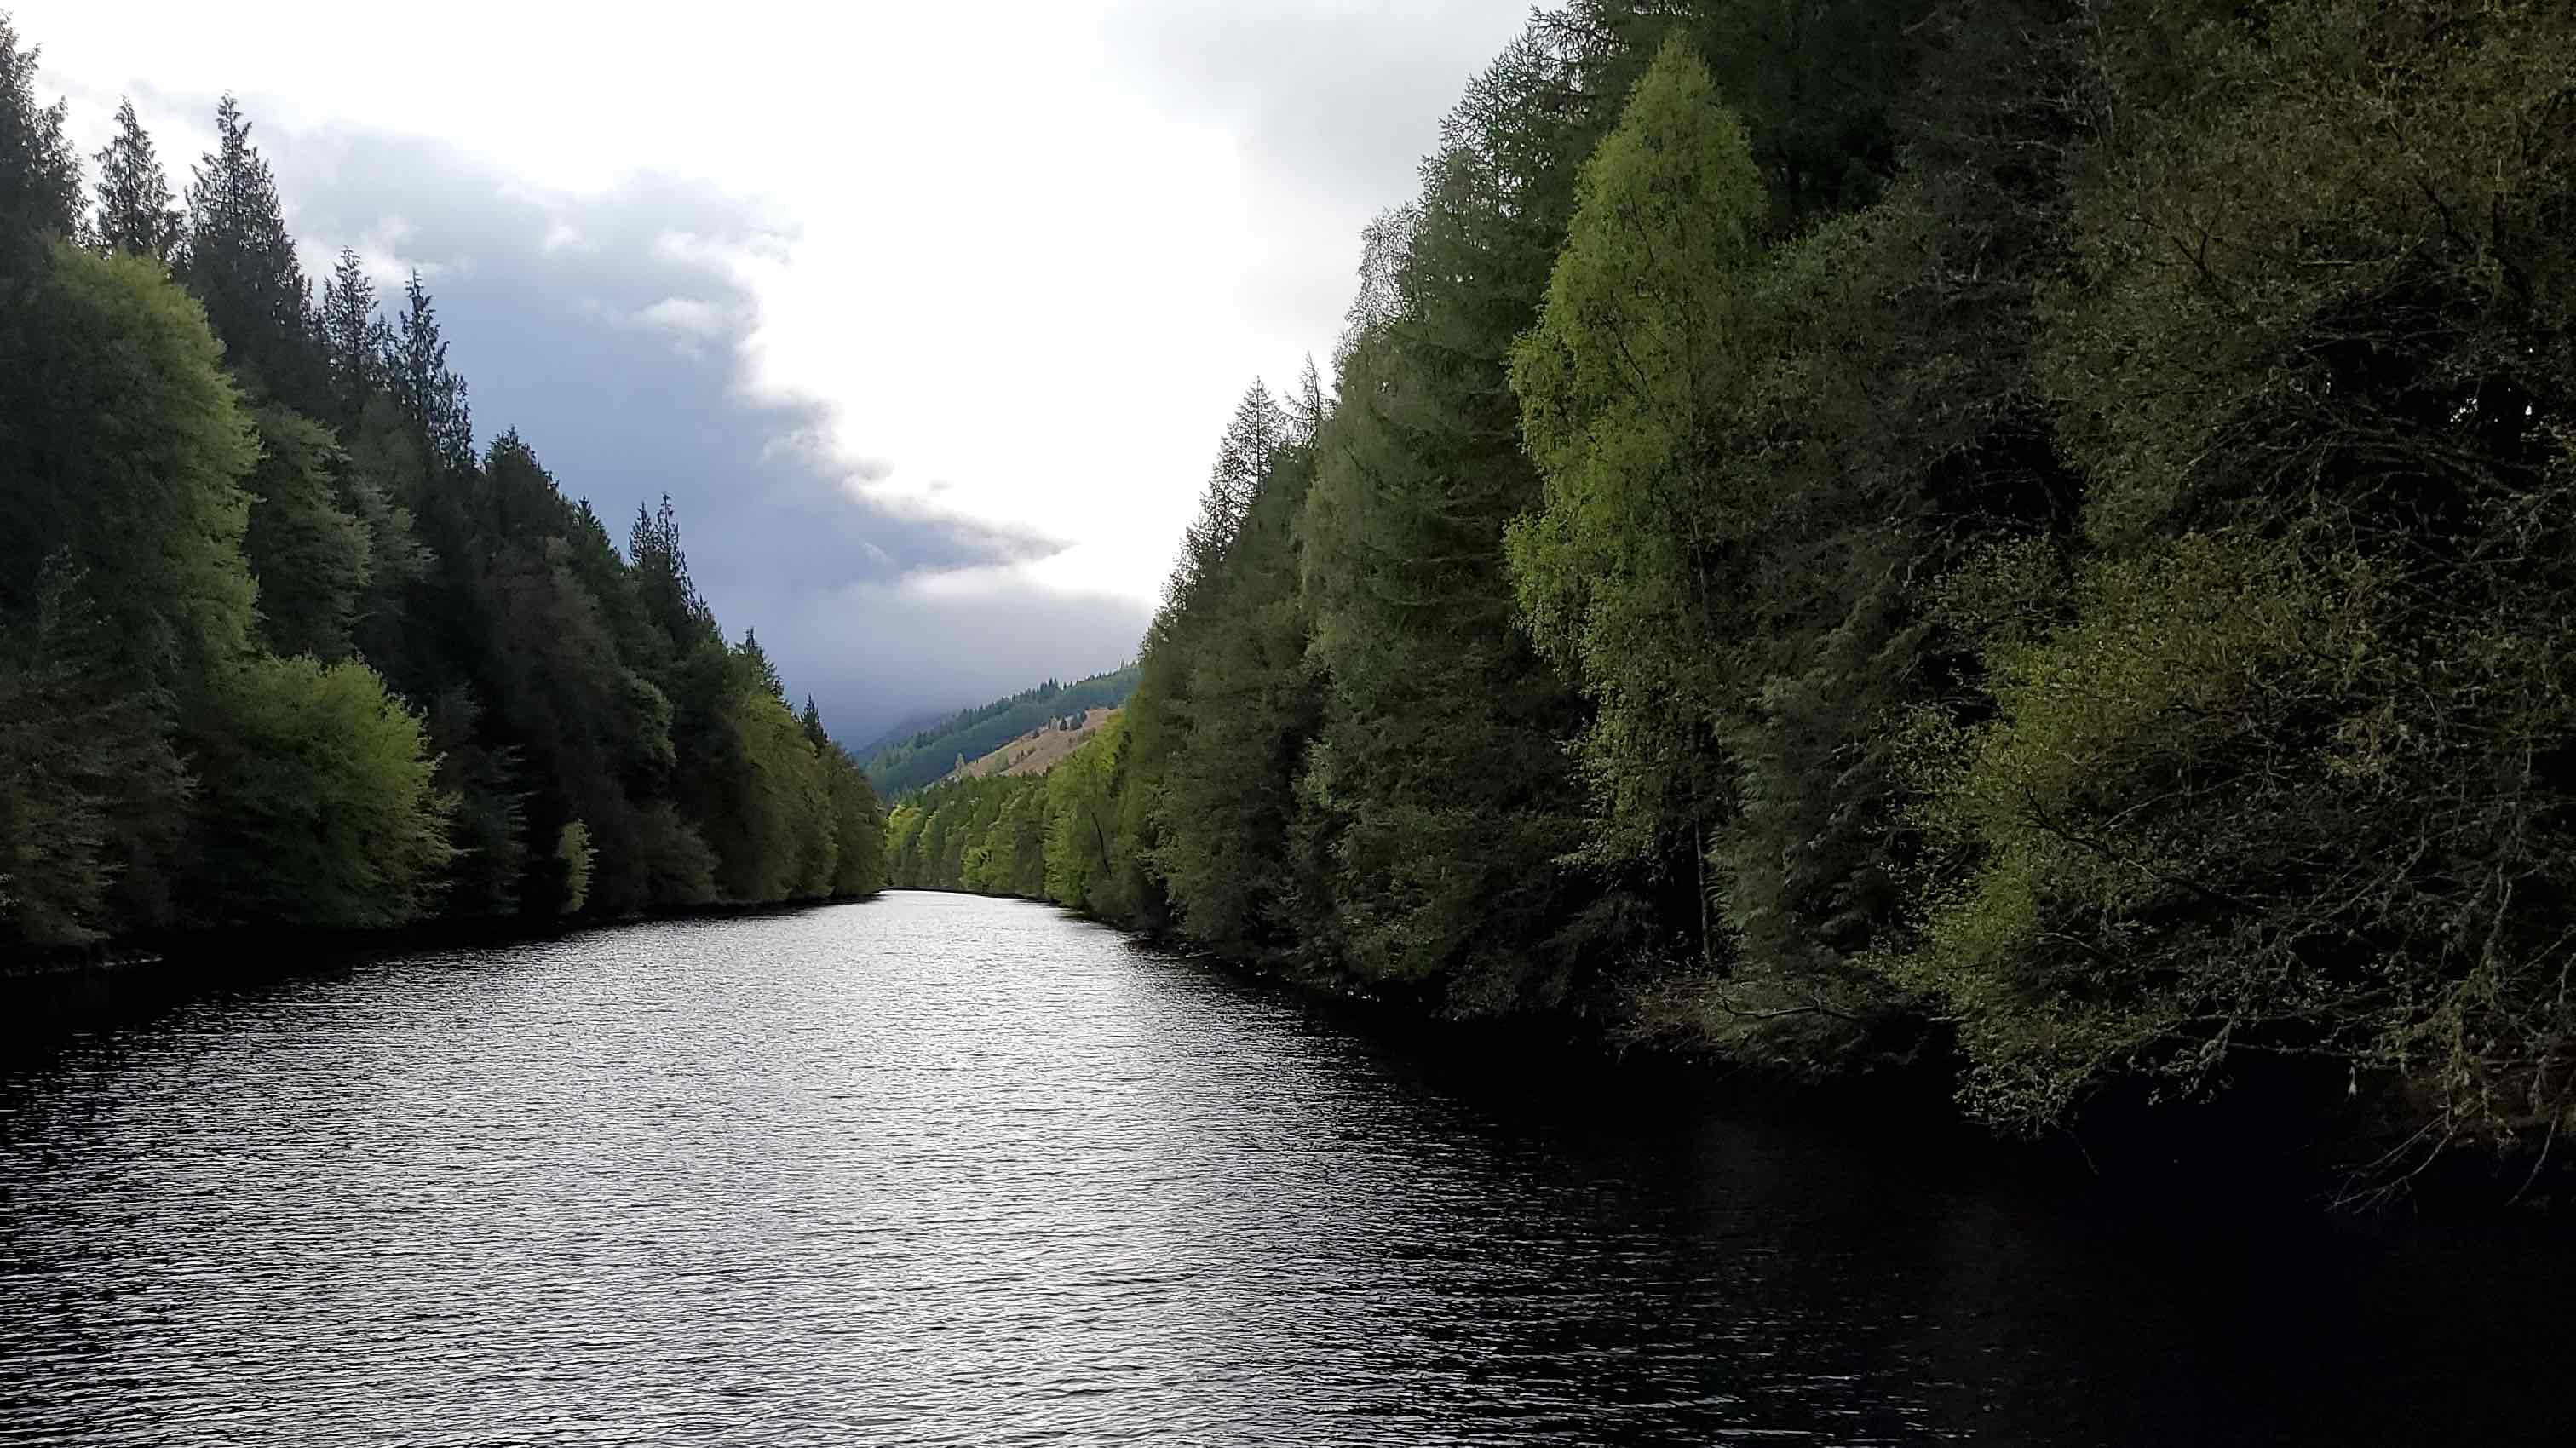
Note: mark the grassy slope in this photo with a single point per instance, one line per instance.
(929, 755)
(1037, 751)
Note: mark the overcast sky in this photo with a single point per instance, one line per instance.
(927, 317)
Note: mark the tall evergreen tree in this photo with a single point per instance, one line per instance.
(429, 392)
(39, 172)
(136, 211)
(355, 338)
(241, 263)
(1252, 441)
(1437, 786)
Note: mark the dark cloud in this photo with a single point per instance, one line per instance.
(952, 649)
(605, 329)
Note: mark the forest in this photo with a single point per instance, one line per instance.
(280, 648)
(2035, 534)
(923, 757)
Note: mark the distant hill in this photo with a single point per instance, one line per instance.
(1037, 751)
(970, 734)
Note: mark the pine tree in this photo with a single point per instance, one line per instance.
(135, 210)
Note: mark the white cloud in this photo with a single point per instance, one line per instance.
(689, 324)
(1024, 265)
(564, 236)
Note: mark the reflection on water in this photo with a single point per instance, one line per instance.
(946, 1170)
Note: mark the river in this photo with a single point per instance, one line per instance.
(939, 1169)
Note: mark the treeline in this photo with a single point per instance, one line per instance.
(1032, 836)
(1844, 529)
(278, 646)
(970, 734)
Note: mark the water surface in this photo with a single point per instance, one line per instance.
(937, 1169)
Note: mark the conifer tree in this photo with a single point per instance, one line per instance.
(135, 208)
(241, 263)
(355, 338)
(428, 391)
(1259, 429)
(39, 172)
(662, 577)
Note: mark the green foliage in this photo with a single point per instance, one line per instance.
(307, 659)
(1435, 792)
(123, 450)
(310, 558)
(858, 828)
(1084, 867)
(1632, 385)
(240, 262)
(1836, 527)
(573, 850)
(1055, 836)
(85, 761)
(773, 842)
(678, 868)
(489, 836)
(135, 210)
(39, 172)
(118, 403)
(321, 807)
(1229, 704)
(2290, 777)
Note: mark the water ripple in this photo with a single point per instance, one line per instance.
(953, 1171)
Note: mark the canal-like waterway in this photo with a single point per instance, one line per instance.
(939, 1169)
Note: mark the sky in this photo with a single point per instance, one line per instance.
(927, 318)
